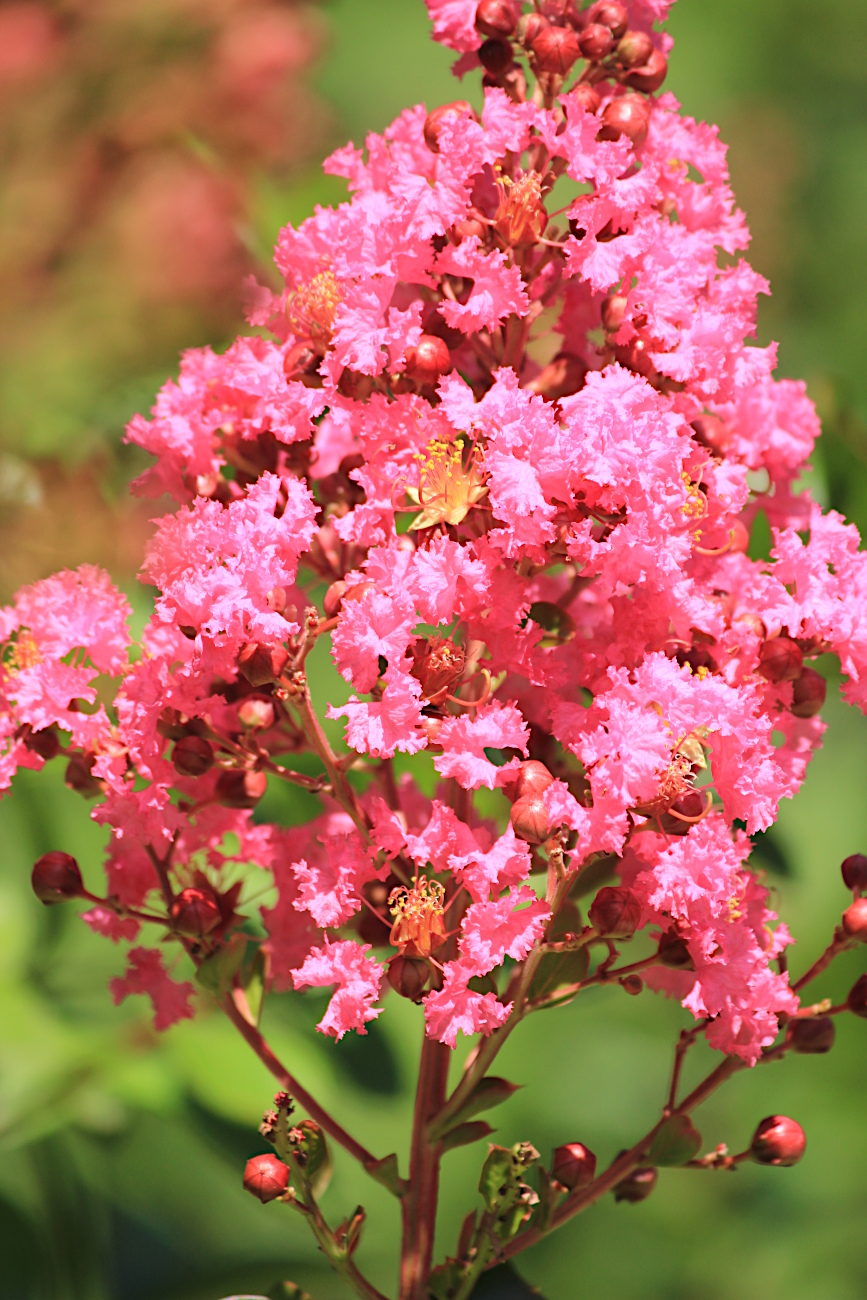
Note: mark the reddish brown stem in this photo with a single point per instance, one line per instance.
(419, 1206)
(837, 944)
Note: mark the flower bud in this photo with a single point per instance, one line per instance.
(613, 312)
(56, 877)
(629, 116)
(262, 663)
(595, 41)
(854, 870)
(192, 756)
(811, 1035)
(407, 976)
(560, 378)
(195, 912)
(276, 599)
(241, 789)
(266, 1178)
(712, 432)
(333, 598)
(615, 913)
(529, 818)
(780, 660)
(573, 1165)
(529, 27)
(650, 75)
(359, 590)
(495, 55)
(634, 49)
(256, 713)
(855, 920)
(354, 385)
(554, 50)
(857, 999)
(79, 775)
(612, 15)
(429, 359)
(808, 693)
(632, 984)
(778, 1141)
(45, 743)
(529, 778)
(435, 119)
(496, 18)
(302, 362)
(587, 97)
(739, 538)
(636, 1186)
(673, 951)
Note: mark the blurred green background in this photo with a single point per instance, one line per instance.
(121, 1153)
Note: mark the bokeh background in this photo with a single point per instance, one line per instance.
(149, 152)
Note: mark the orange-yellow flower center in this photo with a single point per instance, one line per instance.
(419, 925)
(450, 482)
(312, 310)
(521, 217)
(24, 653)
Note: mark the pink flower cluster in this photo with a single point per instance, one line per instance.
(509, 461)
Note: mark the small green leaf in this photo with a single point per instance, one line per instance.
(594, 875)
(463, 1134)
(497, 1176)
(254, 985)
(217, 971)
(676, 1142)
(386, 1171)
(557, 625)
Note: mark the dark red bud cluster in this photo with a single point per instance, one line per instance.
(555, 50)
(778, 1140)
(610, 14)
(780, 660)
(573, 1165)
(811, 1035)
(241, 789)
(56, 877)
(595, 42)
(855, 920)
(636, 1186)
(195, 912)
(808, 693)
(261, 663)
(495, 55)
(615, 913)
(854, 871)
(266, 1178)
(192, 756)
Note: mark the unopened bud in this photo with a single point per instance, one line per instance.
(555, 50)
(854, 871)
(712, 432)
(333, 598)
(615, 912)
(612, 15)
(495, 55)
(241, 789)
(45, 743)
(79, 775)
(256, 713)
(811, 1035)
(529, 818)
(587, 97)
(650, 75)
(780, 660)
(613, 312)
(529, 778)
(632, 984)
(561, 377)
(634, 49)
(595, 41)
(529, 27)
(629, 116)
(302, 362)
(673, 951)
(407, 976)
(56, 877)
(428, 360)
(573, 1165)
(431, 728)
(496, 18)
(262, 663)
(857, 999)
(808, 693)
(195, 912)
(358, 591)
(739, 537)
(276, 599)
(192, 756)
(636, 1186)
(266, 1178)
(778, 1141)
(446, 112)
(855, 920)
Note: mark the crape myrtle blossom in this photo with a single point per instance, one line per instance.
(496, 450)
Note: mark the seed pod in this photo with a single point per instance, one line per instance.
(595, 42)
(854, 871)
(45, 743)
(612, 15)
(554, 50)
(573, 1165)
(56, 877)
(615, 913)
(778, 1140)
(855, 920)
(857, 999)
(650, 76)
(634, 49)
(780, 660)
(495, 55)
(496, 18)
(241, 789)
(808, 693)
(266, 1178)
(636, 1186)
(428, 360)
(446, 112)
(587, 97)
(811, 1035)
(256, 713)
(262, 663)
(192, 756)
(195, 912)
(629, 116)
(407, 976)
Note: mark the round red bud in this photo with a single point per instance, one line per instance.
(496, 18)
(262, 663)
(195, 912)
(529, 818)
(778, 1141)
(712, 432)
(650, 76)
(276, 599)
(855, 920)
(739, 537)
(612, 15)
(780, 660)
(56, 877)
(333, 598)
(192, 756)
(435, 119)
(811, 1035)
(587, 97)
(595, 41)
(808, 693)
(302, 362)
(857, 999)
(429, 359)
(495, 55)
(79, 775)
(636, 1186)
(407, 977)
(529, 27)
(635, 49)
(627, 116)
(359, 590)
(573, 1165)
(673, 951)
(555, 50)
(529, 778)
(241, 789)
(560, 378)
(615, 913)
(354, 385)
(854, 870)
(613, 312)
(256, 713)
(45, 743)
(632, 984)
(266, 1178)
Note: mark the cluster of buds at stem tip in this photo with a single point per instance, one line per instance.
(195, 912)
(56, 877)
(778, 1140)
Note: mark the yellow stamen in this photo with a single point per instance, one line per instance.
(449, 484)
(312, 310)
(418, 926)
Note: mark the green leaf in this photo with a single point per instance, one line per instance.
(254, 985)
(557, 625)
(488, 1092)
(463, 1134)
(386, 1171)
(217, 971)
(594, 875)
(507, 1196)
(676, 1142)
